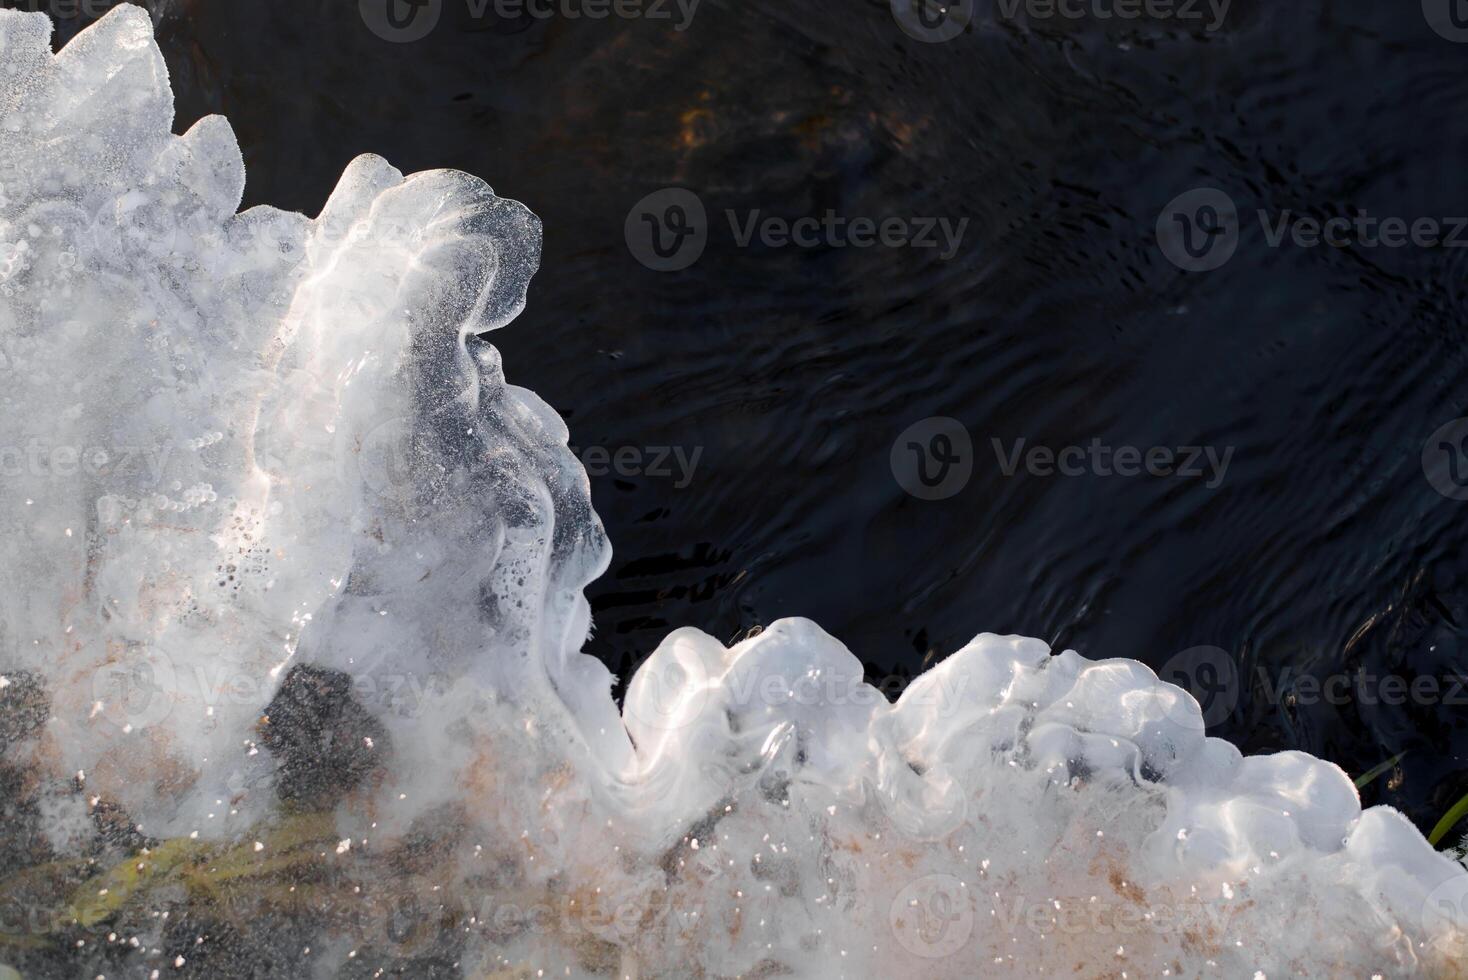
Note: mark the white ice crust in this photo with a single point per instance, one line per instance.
(233, 443)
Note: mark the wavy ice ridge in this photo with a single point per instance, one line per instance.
(252, 456)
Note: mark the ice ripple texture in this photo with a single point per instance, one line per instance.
(292, 592)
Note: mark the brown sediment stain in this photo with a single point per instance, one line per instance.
(585, 917)
(559, 778)
(145, 757)
(1128, 890)
(481, 777)
(736, 927)
(908, 858)
(1450, 965)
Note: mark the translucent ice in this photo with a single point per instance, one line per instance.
(291, 605)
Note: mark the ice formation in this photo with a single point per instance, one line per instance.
(291, 612)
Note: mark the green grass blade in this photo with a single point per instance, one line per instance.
(1449, 821)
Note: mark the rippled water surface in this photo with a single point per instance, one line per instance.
(788, 373)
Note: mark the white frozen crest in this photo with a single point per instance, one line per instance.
(238, 445)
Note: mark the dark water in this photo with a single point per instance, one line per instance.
(1325, 552)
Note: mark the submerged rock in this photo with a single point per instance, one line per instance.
(324, 741)
(24, 706)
